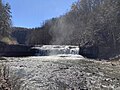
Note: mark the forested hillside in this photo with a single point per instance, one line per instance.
(20, 34)
(32, 36)
(88, 23)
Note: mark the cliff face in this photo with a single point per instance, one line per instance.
(15, 50)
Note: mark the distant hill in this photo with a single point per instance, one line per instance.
(20, 34)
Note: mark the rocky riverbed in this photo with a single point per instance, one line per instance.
(62, 72)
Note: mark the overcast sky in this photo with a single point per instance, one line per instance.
(31, 13)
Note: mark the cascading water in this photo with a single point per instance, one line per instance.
(47, 50)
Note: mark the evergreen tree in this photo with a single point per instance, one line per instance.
(5, 19)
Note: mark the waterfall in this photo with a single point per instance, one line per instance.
(47, 50)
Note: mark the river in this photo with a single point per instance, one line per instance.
(62, 72)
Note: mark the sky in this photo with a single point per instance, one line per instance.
(32, 13)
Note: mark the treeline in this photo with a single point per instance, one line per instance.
(88, 23)
(32, 36)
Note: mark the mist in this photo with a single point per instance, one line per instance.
(61, 31)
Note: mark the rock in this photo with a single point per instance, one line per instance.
(16, 51)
